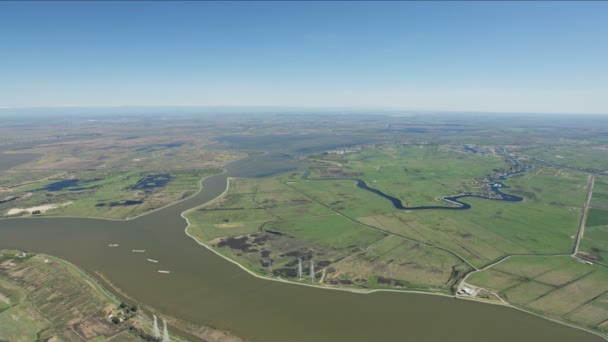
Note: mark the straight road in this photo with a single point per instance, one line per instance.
(581, 226)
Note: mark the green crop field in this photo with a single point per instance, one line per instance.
(595, 240)
(557, 286)
(578, 154)
(600, 193)
(418, 174)
(21, 323)
(597, 217)
(544, 222)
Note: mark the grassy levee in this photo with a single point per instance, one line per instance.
(559, 287)
(107, 194)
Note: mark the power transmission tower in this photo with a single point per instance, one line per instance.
(312, 270)
(156, 331)
(165, 332)
(299, 268)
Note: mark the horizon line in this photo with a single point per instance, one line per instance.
(294, 107)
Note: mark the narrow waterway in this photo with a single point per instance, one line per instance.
(206, 289)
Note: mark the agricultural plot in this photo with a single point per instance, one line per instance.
(395, 262)
(545, 222)
(574, 153)
(416, 174)
(595, 240)
(600, 193)
(101, 193)
(557, 286)
(266, 225)
(19, 321)
(45, 298)
(50, 299)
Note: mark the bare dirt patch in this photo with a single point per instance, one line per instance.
(37, 209)
(4, 299)
(229, 225)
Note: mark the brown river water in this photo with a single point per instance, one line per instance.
(206, 289)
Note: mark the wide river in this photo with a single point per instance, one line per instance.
(209, 290)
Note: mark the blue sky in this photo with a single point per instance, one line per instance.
(478, 56)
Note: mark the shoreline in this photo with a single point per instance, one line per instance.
(357, 291)
(362, 291)
(200, 188)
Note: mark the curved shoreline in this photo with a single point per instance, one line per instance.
(200, 188)
(360, 291)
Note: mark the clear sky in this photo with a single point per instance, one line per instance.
(478, 56)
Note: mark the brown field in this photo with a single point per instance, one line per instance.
(401, 263)
(593, 313)
(568, 298)
(74, 307)
(524, 293)
(560, 287)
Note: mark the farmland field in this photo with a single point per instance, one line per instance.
(595, 241)
(360, 239)
(560, 287)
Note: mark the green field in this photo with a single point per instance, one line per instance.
(544, 223)
(267, 221)
(582, 154)
(600, 193)
(597, 217)
(595, 240)
(560, 287)
(417, 174)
